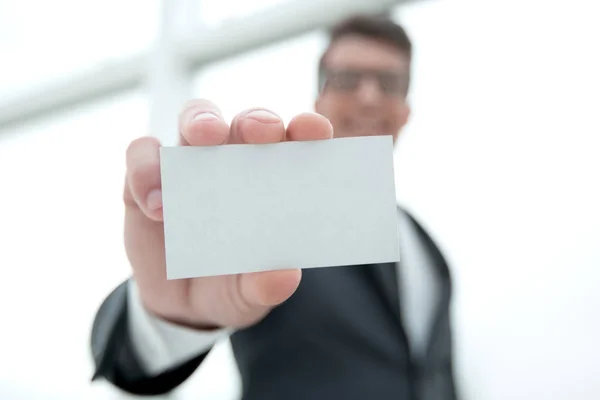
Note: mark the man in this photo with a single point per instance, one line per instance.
(345, 332)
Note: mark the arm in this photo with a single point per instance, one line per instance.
(141, 354)
(153, 363)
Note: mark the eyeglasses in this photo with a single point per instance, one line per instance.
(347, 80)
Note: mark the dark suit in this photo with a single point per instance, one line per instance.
(340, 336)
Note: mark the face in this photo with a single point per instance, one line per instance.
(365, 88)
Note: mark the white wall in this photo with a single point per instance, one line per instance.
(61, 243)
(500, 161)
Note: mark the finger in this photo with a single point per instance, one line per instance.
(257, 126)
(309, 126)
(268, 288)
(143, 185)
(201, 124)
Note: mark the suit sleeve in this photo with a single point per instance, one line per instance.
(115, 357)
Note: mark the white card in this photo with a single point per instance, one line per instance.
(244, 208)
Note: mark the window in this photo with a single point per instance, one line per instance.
(282, 77)
(62, 240)
(217, 12)
(47, 40)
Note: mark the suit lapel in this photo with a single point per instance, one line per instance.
(439, 344)
(386, 279)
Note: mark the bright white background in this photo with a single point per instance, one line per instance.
(501, 161)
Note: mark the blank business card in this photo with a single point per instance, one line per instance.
(245, 208)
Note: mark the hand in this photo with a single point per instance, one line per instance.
(232, 301)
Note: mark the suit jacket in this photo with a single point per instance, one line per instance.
(340, 336)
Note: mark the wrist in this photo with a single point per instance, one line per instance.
(180, 319)
(185, 323)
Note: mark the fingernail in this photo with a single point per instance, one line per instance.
(263, 116)
(205, 116)
(154, 199)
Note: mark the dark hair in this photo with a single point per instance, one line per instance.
(381, 28)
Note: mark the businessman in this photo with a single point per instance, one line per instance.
(342, 332)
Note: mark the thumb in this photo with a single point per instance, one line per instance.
(268, 288)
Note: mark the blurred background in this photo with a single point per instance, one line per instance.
(500, 161)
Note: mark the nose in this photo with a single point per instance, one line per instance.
(368, 91)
